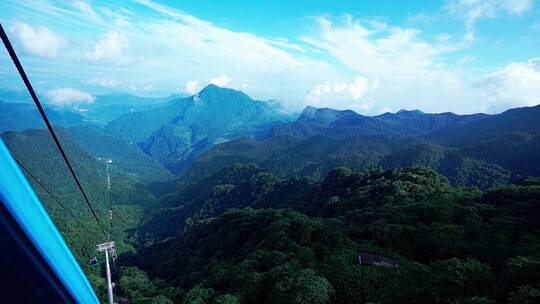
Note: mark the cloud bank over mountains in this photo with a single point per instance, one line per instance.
(370, 65)
(62, 97)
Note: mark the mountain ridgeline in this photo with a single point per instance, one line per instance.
(331, 122)
(21, 116)
(321, 139)
(195, 136)
(127, 157)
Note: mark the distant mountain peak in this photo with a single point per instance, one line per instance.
(413, 112)
(326, 114)
(308, 111)
(210, 87)
(214, 92)
(211, 90)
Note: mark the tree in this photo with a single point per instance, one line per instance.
(303, 288)
(199, 295)
(525, 295)
(455, 278)
(226, 299)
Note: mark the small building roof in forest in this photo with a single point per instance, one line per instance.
(365, 258)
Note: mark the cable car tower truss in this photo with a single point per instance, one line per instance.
(108, 247)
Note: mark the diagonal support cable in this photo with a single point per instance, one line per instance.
(30, 89)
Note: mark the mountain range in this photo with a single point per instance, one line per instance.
(332, 122)
(220, 198)
(154, 139)
(107, 108)
(471, 150)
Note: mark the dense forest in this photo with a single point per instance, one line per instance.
(298, 241)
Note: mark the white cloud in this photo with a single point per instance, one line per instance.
(221, 81)
(103, 82)
(130, 84)
(341, 94)
(192, 49)
(473, 10)
(465, 60)
(517, 7)
(85, 8)
(412, 73)
(194, 86)
(385, 110)
(38, 41)
(110, 48)
(516, 84)
(382, 50)
(142, 85)
(409, 70)
(422, 18)
(61, 97)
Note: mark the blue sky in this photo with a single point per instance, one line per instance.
(451, 55)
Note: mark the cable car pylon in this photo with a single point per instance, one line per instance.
(108, 162)
(108, 247)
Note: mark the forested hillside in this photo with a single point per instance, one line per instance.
(516, 120)
(518, 151)
(36, 150)
(111, 106)
(317, 155)
(21, 116)
(127, 157)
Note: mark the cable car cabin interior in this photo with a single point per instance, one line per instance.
(25, 275)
